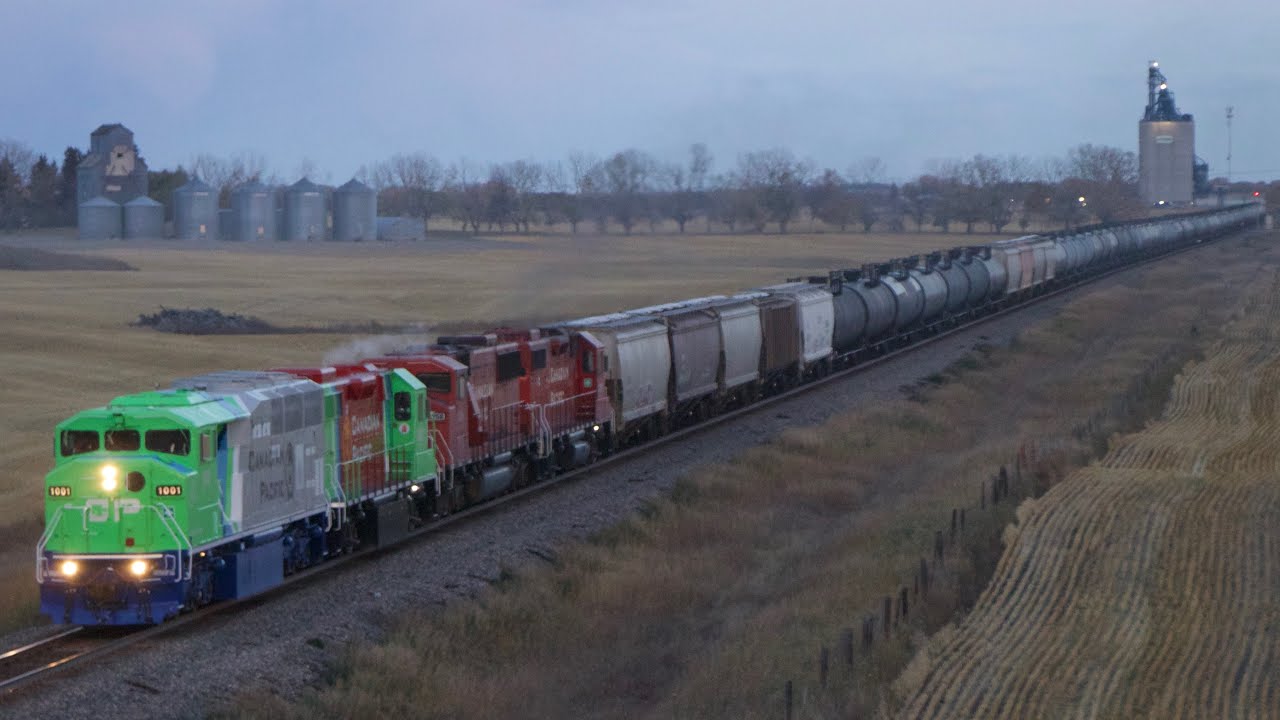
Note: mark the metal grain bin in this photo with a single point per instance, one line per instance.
(355, 212)
(979, 278)
(225, 224)
(910, 298)
(934, 286)
(304, 211)
(740, 336)
(100, 219)
(253, 212)
(143, 218)
(195, 212)
(638, 358)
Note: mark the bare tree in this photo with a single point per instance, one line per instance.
(778, 179)
(830, 201)
(225, 173)
(466, 193)
(525, 178)
(411, 184)
(20, 156)
(869, 170)
(1110, 180)
(626, 177)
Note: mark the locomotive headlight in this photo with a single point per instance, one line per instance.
(110, 477)
(415, 488)
(69, 568)
(595, 428)
(139, 568)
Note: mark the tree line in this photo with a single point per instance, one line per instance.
(764, 191)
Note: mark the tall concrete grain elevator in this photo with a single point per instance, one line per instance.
(1166, 146)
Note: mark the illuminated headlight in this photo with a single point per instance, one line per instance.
(595, 428)
(69, 568)
(139, 568)
(110, 477)
(415, 488)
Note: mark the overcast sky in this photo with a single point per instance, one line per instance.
(345, 84)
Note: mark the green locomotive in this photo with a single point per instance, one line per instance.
(220, 486)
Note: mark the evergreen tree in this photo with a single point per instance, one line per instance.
(71, 158)
(42, 193)
(11, 200)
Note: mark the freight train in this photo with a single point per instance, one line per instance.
(222, 485)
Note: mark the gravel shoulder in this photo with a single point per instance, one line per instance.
(285, 642)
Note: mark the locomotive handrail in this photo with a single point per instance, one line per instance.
(44, 541)
(179, 537)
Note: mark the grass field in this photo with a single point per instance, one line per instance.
(1144, 585)
(705, 604)
(66, 344)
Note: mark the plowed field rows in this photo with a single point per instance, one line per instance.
(1147, 585)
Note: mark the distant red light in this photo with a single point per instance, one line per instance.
(128, 542)
(1256, 193)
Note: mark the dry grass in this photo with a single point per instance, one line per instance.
(67, 344)
(1144, 585)
(705, 604)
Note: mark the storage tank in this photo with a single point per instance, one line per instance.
(195, 211)
(304, 212)
(100, 219)
(910, 298)
(957, 285)
(253, 212)
(934, 286)
(143, 219)
(979, 279)
(355, 212)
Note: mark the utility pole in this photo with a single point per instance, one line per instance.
(1231, 113)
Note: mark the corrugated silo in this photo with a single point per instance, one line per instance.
(253, 212)
(355, 212)
(100, 219)
(143, 219)
(1166, 146)
(195, 211)
(304, 211)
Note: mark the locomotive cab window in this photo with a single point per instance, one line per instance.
(437, 382)
(539, 359)
(509, 366)
(588, 362)
(75, 442)
(121, 440)
(403, 406)
(173, 442)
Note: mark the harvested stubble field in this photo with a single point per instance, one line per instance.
(706, 603)
(1148, 584)
(66, 343)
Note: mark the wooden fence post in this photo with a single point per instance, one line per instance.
(888, 615)
(938, 545)
(962, 520)
(903, 596)
(824, 662)
(787, 696)
(924, 576)
(847, 641)
(953, 523)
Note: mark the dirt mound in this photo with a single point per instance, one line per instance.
(15, 258)
(209, 321)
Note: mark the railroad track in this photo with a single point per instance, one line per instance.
(73, 646)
